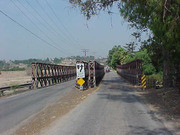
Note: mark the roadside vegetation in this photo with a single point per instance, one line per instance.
(118, 56)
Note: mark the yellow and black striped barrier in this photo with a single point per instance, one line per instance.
(143, 81)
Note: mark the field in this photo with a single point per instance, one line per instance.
(10, 78)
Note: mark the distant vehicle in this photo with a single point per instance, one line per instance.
(107, 69)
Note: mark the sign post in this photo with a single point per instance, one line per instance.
(143, 82)
(80, 71)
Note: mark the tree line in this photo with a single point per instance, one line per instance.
(12, 65)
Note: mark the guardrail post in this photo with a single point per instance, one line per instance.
(2, 93)
(34, 75)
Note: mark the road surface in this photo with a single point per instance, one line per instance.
(15, 109)
(114, 109)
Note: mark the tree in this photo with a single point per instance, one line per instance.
(110, 55)
(117, 56)
(57, 60)
(148, 67)
(161, 17)
(130, 47)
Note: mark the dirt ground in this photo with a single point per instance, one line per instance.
(165, 105)
(166, 100)
(44, 118)
(10, 78)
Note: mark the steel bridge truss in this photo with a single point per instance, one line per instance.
(131, 71)
(44, 75)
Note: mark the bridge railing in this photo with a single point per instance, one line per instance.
(99, 72)
(44, 75)
(131, 71)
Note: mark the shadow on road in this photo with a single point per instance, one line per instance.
(114, 80)
(136, 130)
(118, 90)
(128, 98)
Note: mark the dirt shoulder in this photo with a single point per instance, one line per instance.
(165, 105)
(44, 118)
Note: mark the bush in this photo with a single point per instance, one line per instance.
(148, 69)
(158, 77)
(13, 87)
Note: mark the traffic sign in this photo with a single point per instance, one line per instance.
(143, 81)
(80, 70)
(80, 81)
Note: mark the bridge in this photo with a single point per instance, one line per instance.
(113, 106)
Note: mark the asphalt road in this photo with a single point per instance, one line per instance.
(16, 109)
(115, 109)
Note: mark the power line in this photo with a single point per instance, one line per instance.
(93, 53)
(33, 15)
(64, 36)
(49, 30)
(49, 44)
(69, 32)
(65, 33)
(42, 18)
(33, 22)
(59, 20)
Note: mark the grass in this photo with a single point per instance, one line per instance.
(13, 69)
(14, 87)
(158, 77)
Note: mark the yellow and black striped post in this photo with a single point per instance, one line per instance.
(143, 82)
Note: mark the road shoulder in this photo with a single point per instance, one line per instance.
(160, 110)
(44, 118)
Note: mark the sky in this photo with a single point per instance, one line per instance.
(56, 29)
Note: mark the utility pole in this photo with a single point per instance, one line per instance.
(85, 51)
(94, 54)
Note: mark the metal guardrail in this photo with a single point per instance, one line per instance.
(2, 89)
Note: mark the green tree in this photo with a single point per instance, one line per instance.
(130, 47)
(57, 60)
(148, 68)
(115, 60)
(117, 56)
(110, 54)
